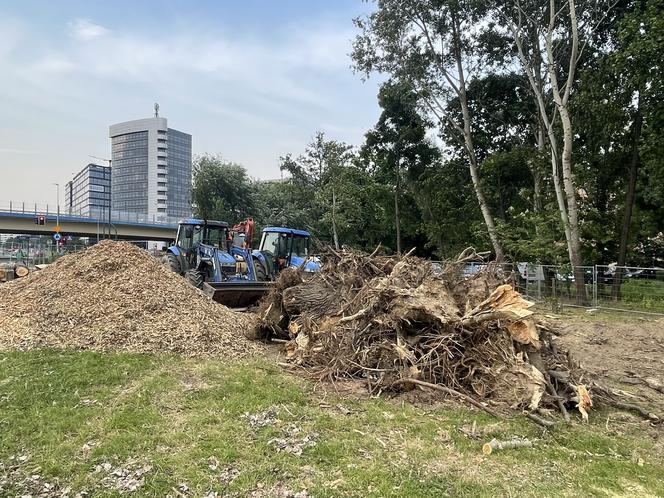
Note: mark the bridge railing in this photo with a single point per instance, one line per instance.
(99, 214)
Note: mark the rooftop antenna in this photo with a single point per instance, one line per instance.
(156, 110)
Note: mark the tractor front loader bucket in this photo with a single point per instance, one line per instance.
(237, 294)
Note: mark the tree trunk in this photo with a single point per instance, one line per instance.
(629, 199)
(562, 104)
(537, 191)
(572, 207)
(335, 234)
(397, 215)
(534, 73)
(474, 174)
(537, 176)
(470, 148)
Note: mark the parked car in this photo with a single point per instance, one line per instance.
(588, 276)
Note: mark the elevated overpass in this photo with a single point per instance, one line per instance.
(20, 219)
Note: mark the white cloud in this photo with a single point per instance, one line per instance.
(292, 67)
(86, 30)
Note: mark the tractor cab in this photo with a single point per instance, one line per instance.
(282, 248)
(192, 232)
(201, 251)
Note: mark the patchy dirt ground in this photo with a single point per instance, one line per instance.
(625, 349)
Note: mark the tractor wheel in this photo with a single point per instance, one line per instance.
(195, 278)
(259, 269)
(172, 262)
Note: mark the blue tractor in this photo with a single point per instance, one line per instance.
(219, 259)
(282, 248)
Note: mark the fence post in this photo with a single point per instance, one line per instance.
(553, 287)
(539, 281)
(595, 284)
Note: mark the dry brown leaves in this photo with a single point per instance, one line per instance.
(117, 297)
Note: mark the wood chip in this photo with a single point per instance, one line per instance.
(117, 297)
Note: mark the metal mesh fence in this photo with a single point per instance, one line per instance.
(558, 285)
(609, 287)
(630, 288)
(34, 253)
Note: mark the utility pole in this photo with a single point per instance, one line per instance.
(109, 161)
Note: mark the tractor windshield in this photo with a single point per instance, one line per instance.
(216, 236)
(300, 246)
(189, 235)
(276, 244)
(283, 245)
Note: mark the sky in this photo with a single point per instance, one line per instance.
(250, 80)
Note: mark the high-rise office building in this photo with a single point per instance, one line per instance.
(89, 193)
(151, 169)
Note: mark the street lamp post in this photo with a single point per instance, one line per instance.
(57, 216)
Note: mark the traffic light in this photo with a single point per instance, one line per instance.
(40, 220)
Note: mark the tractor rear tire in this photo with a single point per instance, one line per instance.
(172, 262)
(259, 270)
(195, 278)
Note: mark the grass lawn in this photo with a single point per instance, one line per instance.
(143, 425)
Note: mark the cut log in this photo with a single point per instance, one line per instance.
(21, 271)
(495, 445)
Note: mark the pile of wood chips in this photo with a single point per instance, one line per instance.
(400, 323)
(117, 297)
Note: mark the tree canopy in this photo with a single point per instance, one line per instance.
(533, 129)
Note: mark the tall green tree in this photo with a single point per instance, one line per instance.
(397, 146)
(221, 189)
(550, 38)
(317, 170)
(431, 45)
(638, 62)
